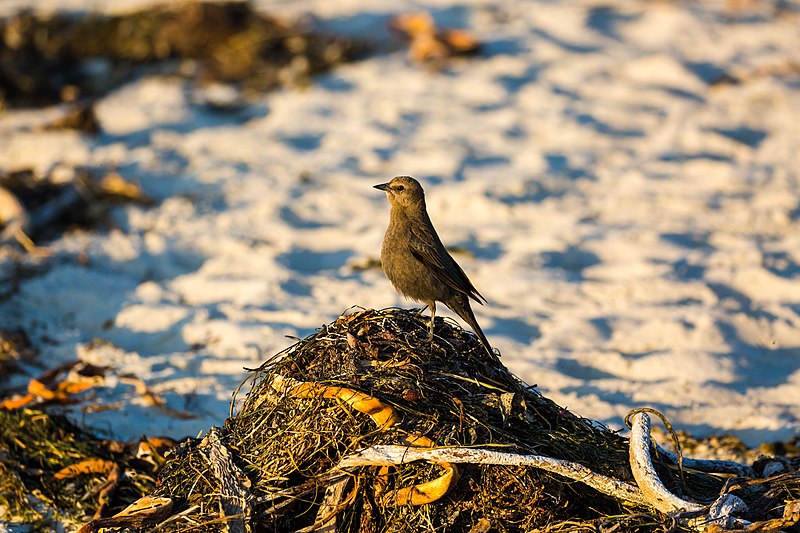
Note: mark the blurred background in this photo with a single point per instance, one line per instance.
(183, 187)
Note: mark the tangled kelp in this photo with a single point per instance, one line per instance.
(301, 418)
(52, 472)
(46, 59)
(366, 426)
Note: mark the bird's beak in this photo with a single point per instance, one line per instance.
(382, 186)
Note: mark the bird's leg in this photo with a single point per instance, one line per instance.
(432, 305)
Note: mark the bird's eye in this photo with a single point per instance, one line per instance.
(399, 188)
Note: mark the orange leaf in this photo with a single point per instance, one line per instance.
(17, 403)
(88, 466)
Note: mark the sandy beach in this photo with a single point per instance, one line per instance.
(630, 213)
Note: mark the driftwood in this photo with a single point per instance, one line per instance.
(233, 495)
(399, 455)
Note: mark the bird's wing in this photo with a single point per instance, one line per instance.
(442, 264)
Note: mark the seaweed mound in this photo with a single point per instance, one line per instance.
(374, 378)
(368, 426)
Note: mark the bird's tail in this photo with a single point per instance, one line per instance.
(462, 308)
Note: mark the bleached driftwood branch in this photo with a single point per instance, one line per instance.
(395, 455)
(720, 516)
(234, 496)
(645, 474)
(711, 466)
(650, 492)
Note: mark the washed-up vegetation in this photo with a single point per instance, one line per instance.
(367, 426)
(46, 59)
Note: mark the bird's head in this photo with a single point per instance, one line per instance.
(403, 191)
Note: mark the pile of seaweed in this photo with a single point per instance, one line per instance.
(299, 420)
(45, 59)
(54, 473)
(370, 382)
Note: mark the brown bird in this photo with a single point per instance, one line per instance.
(415, 260)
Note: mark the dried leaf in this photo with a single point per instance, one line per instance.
(146, 506)
(87, 466)
(429, 44)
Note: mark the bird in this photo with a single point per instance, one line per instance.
(417, 263)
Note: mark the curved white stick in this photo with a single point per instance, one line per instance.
(394, 455)
(645, 475)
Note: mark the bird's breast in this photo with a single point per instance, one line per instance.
(409, 275)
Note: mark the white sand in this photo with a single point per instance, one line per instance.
(637, 232)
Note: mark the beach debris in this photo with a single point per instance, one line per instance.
(327, 437)
(42, 207)
(151, 449)
(738, 8)
(429, 44)
(61, 385)
(51, 58)
(53, 475)
(370, 379)
(384, 417)
(717, 466)
(143, 512)
(154, 400)
(234, 494)
(114, 187)
(108, 469)
(717, 447)
(365, 425)
(644, 471)
(400, 455)
(78, 116)
(15, 347)
(66, 384)
(741, 75)
(364, 263)
(727, 511)
(14, 221)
